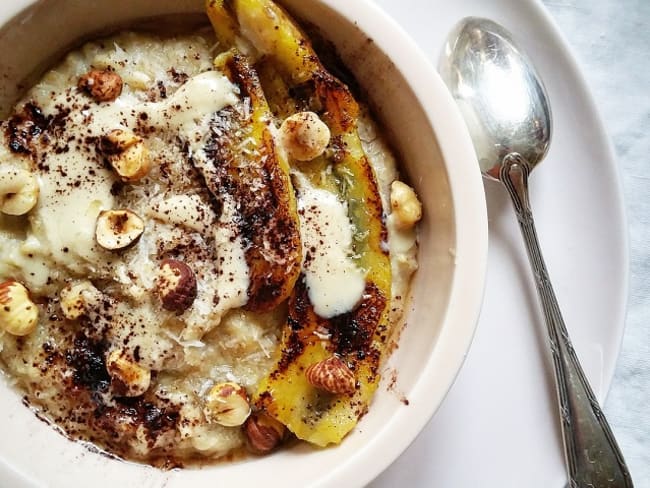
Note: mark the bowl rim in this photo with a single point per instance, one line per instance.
(471, 235)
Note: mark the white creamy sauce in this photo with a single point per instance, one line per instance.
(186, 210)
(188, 111)
(229, 290)
(233, 278)
(335, 283)
(75, 190)
(65, 223)
(16, 261)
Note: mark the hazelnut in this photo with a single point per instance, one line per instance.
(332, 375)
(127, 154)
(117, 141)
(304, 136)
(176, 285)
(118, 229)
(406, 208)
(78, 298)
(227, 404)
(263, 432)
(129, 378)
(18, 191)
(101, 85)
(18, 314)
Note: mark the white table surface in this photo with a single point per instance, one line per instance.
(611, 41)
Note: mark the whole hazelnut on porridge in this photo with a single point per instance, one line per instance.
(118, 229)
(405, 205)
(129, 378)
(18, 314)
(304, 136)
(227, 404)
(176, 285)
(77, 298)
(127, 154)
(101, 85)
(263, 433)
(18, 191)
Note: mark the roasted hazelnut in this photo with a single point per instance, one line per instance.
(176, 285)
(332, 375)
(18, 314)
(19, 191)
(76, 299)
(101, 85)
(118, 229)
(227, 404)
(117, 141)
(304, 136)
(405, 206)
(127, 154)
(129, 378)
(263, 433)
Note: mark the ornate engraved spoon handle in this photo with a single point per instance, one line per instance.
(592, 455)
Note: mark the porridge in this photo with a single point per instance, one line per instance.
(204, 243)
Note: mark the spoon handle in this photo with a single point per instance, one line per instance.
(592, 455)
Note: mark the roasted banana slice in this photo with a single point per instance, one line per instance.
(269, 29)
(245, 165)
(327, 369)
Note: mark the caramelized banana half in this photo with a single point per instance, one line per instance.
(327, 369)
(248, 168)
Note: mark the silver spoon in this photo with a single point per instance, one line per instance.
(506, 108)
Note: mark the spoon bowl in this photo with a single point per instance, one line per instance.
(507, 111)
(499, 93)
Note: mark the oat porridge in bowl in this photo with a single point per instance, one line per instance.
(208, 239)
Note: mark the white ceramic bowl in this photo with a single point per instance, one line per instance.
(436, 153)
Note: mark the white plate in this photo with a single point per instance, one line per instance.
(498, 425)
